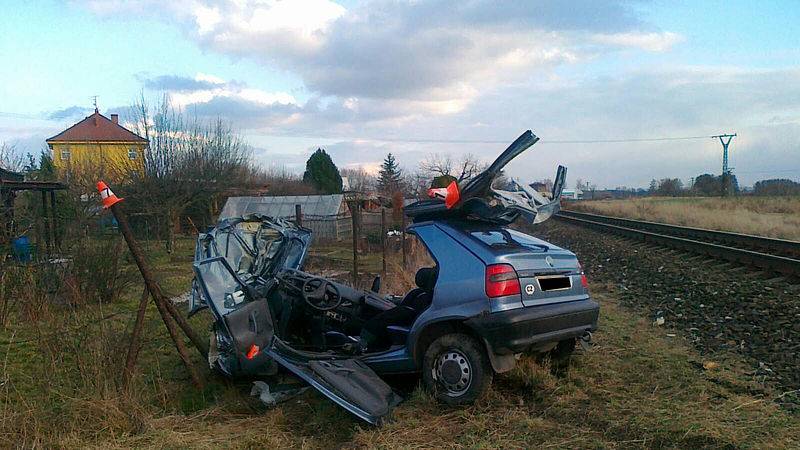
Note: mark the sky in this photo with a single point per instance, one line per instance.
(416, 78)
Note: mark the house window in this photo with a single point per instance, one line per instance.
(65, 154)
(132, 154)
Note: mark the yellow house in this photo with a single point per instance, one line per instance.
(99, 147)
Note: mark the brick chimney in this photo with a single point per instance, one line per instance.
(115, 118)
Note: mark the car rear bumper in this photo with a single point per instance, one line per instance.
(515, 330)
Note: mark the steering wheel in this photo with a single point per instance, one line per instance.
(321, 294)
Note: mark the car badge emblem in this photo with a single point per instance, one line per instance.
(529, 289)
(549, 261)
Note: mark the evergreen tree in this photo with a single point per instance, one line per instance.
(390, 176)
(322, 173)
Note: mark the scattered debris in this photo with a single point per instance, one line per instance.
(269, 398)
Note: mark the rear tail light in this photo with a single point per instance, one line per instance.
(501, 280)
(584, 280)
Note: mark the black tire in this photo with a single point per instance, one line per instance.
(451, 355)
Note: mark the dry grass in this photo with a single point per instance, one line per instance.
(635, 388)
(777, 217)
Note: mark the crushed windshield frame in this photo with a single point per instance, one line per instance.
(201, 282)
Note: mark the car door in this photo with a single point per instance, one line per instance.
(254, 245)
(348, 382)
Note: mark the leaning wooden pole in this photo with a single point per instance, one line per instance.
(187, 329)
(133, 346)
(111, 201)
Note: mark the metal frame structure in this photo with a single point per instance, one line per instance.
(8, 194)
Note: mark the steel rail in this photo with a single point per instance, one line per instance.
(773, 263)
(772, 246)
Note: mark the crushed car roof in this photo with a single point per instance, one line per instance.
(479, 200)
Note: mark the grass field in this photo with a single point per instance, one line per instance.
(777, 217)
(636, 388)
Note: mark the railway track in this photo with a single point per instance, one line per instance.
(771, 255)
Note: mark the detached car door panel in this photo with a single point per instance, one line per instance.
(347, 382)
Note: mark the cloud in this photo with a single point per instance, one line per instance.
(677, 102)
(179, 83)
(654, 42)
(245, 113)
(685, 101)
(433, 57)
(70, 112)
(472, 70)
(208, 96)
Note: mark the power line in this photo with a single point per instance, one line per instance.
(482, 141)
(605, 141)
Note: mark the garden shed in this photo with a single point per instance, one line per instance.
(327, 216)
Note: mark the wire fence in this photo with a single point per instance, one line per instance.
(358, 245)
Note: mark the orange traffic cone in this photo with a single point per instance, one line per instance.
(450, 194)
(109, 198)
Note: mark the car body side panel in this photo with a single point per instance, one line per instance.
(459, 291)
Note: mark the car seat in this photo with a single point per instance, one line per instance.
(391, 326)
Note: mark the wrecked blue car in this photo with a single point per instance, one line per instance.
(490, 293)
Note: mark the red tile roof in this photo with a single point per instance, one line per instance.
(96, 128)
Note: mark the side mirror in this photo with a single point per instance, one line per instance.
(376, 285)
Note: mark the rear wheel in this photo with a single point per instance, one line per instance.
(456, 369)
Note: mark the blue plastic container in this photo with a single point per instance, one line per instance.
(21, 249)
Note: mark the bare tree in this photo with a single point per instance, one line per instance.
(462, 168)
(10, 158)
(417, 183)
(359, 179)
(187, 162)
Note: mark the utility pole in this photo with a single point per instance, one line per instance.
(725, 140)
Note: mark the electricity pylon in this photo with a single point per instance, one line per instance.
(725, 140)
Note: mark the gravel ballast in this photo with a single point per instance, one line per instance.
(718, 307)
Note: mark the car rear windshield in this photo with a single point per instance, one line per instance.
(507, 239)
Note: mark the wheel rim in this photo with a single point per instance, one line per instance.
(453, 372)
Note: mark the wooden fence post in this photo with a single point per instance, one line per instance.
(383, 238)
(403, 241)
(298, 215)
(46, 223)
(355, 212)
